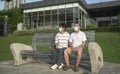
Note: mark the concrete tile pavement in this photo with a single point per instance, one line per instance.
(41, 67)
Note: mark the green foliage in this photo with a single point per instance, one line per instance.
(32, 31)
(113, 25)
(47, 30)
(91, 26)
(15, 17)
(108, 29)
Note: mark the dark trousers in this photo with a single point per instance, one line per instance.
(58, 55)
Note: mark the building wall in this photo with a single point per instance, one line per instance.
(13, 4)
(52, 16)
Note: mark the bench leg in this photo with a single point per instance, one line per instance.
(16, 48)
(96, 57)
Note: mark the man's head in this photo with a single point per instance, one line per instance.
(62, 27)
(76, 27)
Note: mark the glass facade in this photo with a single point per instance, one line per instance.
(52, 18)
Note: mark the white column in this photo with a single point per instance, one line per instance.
(81, 19)
(85, 22)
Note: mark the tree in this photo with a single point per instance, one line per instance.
(14, 15)
(3, 22)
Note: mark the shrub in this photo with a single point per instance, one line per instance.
(113, 25)
(32, 31)
(47, 30)
(91, 26)
(107, 29)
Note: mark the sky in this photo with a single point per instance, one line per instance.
(88, 1)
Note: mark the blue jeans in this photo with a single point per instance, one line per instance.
(58, 55)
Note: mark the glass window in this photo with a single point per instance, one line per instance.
(34, 13)
(41, 13)
(54, 18)
(69, 23)
(62, 17)
(54, 11)
(55, 24)
(41, 19)
(48, 12)
(69, 16)
(69, 10)
(47, 18)
(27, 14)
(75, 9)
(61, 11)
(75, 17)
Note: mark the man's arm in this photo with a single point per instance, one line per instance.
(83, 44)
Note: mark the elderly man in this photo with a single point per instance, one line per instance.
(76, 42)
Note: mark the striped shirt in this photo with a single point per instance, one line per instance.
(62, 39)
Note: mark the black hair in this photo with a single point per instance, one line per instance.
(62, 25)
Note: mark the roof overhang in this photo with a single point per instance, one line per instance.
(104, 9)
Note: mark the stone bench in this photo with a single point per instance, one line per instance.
(40, 39)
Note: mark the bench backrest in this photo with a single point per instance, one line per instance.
(47, 39)
(90, 36)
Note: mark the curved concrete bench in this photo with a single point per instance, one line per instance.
(16, 49)
(96, 57)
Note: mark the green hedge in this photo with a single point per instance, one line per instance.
(91, 26)
(107, 29)
(32, 31)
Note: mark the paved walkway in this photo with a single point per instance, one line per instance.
(7, 67)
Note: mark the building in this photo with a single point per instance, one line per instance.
(50, 13)
(13, 4)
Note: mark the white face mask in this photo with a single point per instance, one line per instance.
(75, 29)
(60, 29)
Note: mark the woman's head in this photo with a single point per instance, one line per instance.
(62, 27)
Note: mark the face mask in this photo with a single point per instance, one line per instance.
(60, 29)
(75, 29)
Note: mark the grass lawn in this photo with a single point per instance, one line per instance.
(109, 42)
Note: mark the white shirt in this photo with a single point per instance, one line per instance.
(62, 39)
(77, 38)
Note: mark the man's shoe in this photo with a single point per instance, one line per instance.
(61, 66)
(65, 68)
(76, 68)
(55, 66)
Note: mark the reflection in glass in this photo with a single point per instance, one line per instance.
(61, 17)
(61, 11)
(54, 18)
(54, 11)
(48, 12)
(41, 13)
(69, 10)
